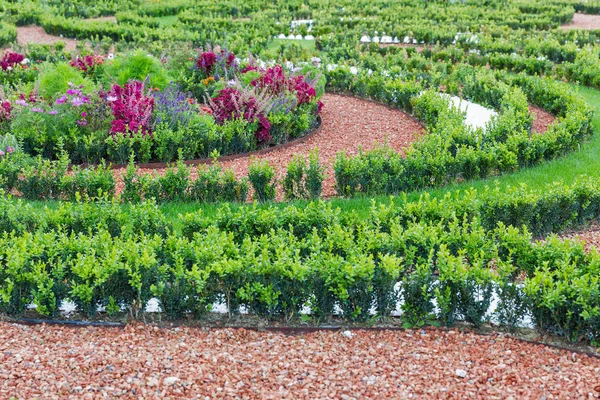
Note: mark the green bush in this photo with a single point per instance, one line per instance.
(137, 66)
(262, 178)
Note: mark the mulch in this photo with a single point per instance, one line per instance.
(590, 236)
(348, 124)
(144, 361)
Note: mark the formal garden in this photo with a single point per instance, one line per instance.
(412, 167)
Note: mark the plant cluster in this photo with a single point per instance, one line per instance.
(264, 261)
(151, 107)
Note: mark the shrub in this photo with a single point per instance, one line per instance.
(55, 79)
(138, 66)
(262, 178)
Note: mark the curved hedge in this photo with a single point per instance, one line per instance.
(452, 151)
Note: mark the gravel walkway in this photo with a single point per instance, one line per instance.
(36, 34)
(589, 236)
(142, 361)
(348, 123)
(583, 21)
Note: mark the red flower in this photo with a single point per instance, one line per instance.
(10, 60)
(131, 108)
(206, 62)
(5, 109)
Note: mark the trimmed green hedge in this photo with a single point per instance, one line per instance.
(451, 151)
(457, 251)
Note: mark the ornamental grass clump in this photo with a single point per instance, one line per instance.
(244, 104)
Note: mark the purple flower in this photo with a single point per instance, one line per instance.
(22, 102)
(52, 112)
(77, 102)
(9, 149)
(37, 109)
(74, 92)
(81, 123)
(61, 100)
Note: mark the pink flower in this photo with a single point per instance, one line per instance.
(9, 149)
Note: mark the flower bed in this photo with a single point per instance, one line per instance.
(107, 108)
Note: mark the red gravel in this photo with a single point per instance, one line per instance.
(583, 21)
(348, 123)
(142, 361)
(541, 119)
(36, 34)
(589, 236)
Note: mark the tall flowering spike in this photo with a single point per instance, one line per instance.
(131, 108)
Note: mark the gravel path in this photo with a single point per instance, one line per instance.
(142, 361)
(589, 236)
(541, 119)
(348, 123)
(36, 34)
(583, 21)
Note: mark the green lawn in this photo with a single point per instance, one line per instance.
(582, 162)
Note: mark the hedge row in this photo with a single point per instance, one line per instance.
(555, 208)
(452, 151)
(458, 250)
(456, 264)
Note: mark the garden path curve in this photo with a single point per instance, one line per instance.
(348, 124)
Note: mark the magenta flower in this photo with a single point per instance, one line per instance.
(77, 101)
(37, 110)
(9, 149)
(84, 114)
(62, 99)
